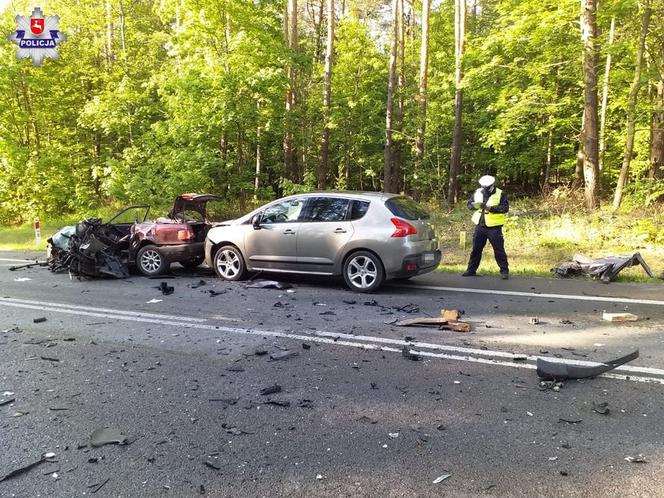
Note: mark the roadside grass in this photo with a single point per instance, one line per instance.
(539, 233)
(538, 236)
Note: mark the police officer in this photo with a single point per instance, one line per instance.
(491, 207)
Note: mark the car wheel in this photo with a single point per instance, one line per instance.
(151, 261)
(192, 263)
(229, 263)
(363, 272)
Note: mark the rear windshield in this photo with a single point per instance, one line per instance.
(406, 208)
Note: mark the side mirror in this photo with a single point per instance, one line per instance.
(256, 221)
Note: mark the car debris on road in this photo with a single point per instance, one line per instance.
(555, 370)
(606, 269)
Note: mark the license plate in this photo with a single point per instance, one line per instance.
(428, 257)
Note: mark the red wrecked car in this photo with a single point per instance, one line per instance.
(176, 238)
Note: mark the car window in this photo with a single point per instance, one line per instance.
(283, 212)
(327, 209)
(406, 208)
(358, 209)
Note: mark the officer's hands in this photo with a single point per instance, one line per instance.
(483, 206)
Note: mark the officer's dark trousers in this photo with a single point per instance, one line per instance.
(495, 236)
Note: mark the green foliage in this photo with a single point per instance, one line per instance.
(190, 90)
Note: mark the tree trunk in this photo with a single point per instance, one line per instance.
(324, 167)
(109, 33)
(398, 119)
(290, 154)
(631, 107)
(657, 152)
(455, 157)
(605, 94)
(257, 173)
(590, 131)
(388, 171)
(422, 89)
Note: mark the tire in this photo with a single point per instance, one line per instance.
(229, 264)
(150, 261)
(363, 272)
(192, 263)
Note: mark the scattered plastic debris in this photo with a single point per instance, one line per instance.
(198, 284)
(103, 436)
(6, 401)
(283, 355)
(213, 292)
(554, 370)
(440, 479)
(274, 389)
(269, 284)
(534, 320)
(636, 459)
(406, 353)
(22, 279)
(97, 487)
(393, 435)
(41, 319)
(165, 289)
(212, 465)
(601, 408)
(153, 301)
(619, 317)
(44, 458)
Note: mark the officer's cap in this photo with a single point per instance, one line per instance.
(487, 181)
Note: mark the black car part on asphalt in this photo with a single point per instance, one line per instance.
(606, 269)
(555, 370)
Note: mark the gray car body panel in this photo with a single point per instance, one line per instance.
(320, 248)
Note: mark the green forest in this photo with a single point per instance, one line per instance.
(253, 99)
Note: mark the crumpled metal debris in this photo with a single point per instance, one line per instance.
(606, 269)
(555, 370)
(90, 249)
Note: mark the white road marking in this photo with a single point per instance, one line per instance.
(572, 297)
(104, 310)
(18, 260)
(373, 343)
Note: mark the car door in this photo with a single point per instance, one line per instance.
(325, 229)
(273, 246)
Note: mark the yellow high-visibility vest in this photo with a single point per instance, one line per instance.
(491, 219)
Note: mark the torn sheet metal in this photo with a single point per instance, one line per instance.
(554, 370)
(90, 249)
(606, 269)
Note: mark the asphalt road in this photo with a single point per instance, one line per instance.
(181, 378)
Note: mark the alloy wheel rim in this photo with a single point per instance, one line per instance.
(362, 272)
(151, 261)
(228, 264)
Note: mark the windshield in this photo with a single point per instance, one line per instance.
(132, 214)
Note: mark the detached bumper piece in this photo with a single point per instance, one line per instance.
(554, 370)
(90, 249)
(606, 269)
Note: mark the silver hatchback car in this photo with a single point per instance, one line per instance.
(367, 237)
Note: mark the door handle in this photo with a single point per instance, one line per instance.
(289, 231)
(340, 230)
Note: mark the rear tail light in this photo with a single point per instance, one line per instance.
(403, 228)
(411, 266)
(185, 235)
